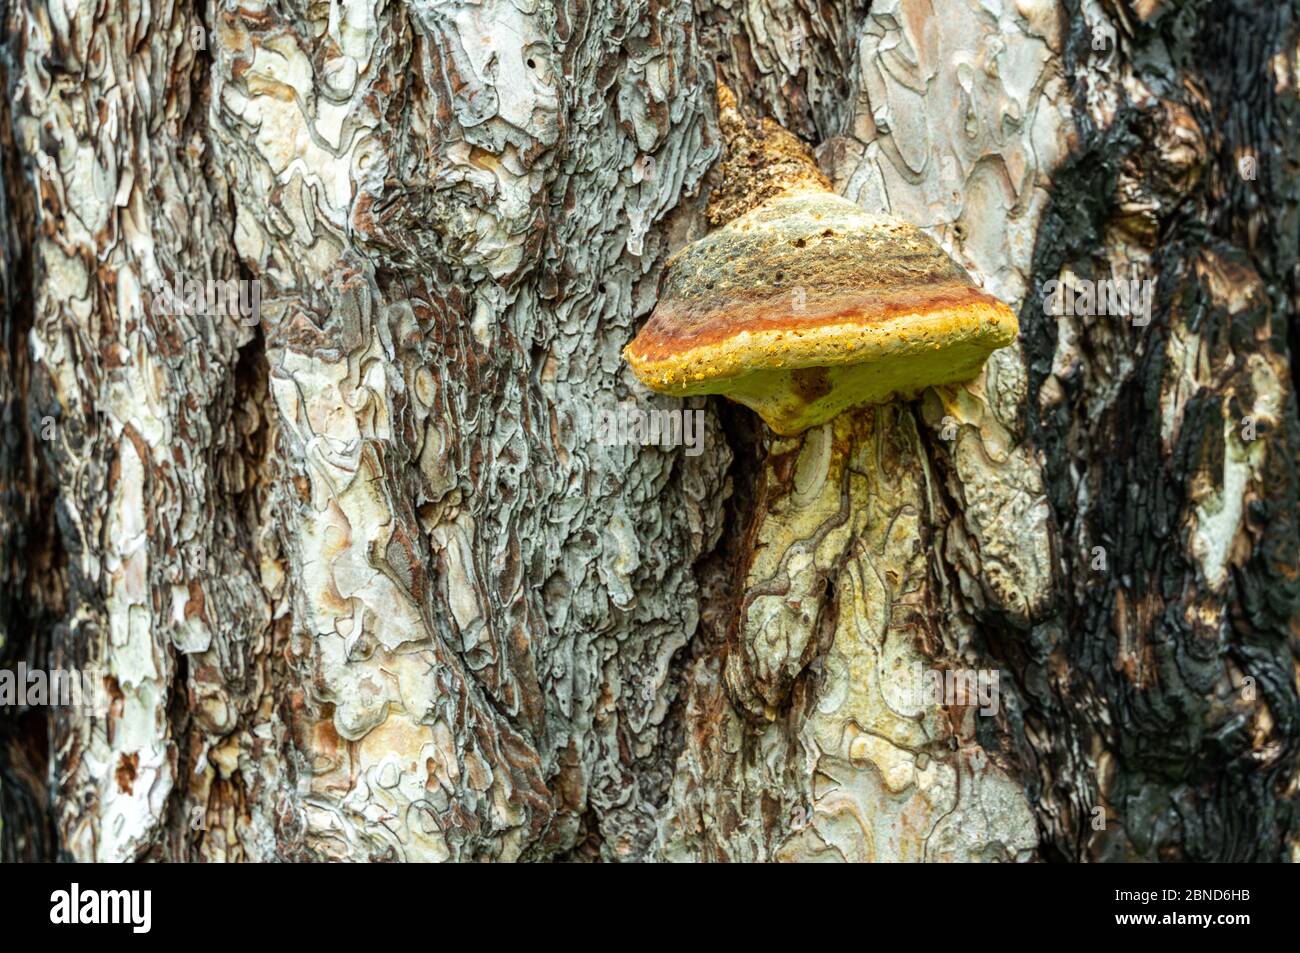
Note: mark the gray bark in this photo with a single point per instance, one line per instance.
(365, 585)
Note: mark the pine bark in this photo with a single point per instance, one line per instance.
(363, 582)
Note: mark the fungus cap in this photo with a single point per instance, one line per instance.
(808, 305)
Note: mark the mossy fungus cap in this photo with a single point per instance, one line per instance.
(802, 304)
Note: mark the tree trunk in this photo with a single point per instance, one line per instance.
(360, 580)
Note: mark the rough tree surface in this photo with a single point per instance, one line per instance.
(362, 581)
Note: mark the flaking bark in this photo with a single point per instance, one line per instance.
(367, 586)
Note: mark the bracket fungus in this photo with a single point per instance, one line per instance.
(802, 304)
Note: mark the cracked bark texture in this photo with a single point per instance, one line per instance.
(366, 586)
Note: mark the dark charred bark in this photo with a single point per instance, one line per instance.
(1146, 661)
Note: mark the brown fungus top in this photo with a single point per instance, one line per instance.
(760, 161)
